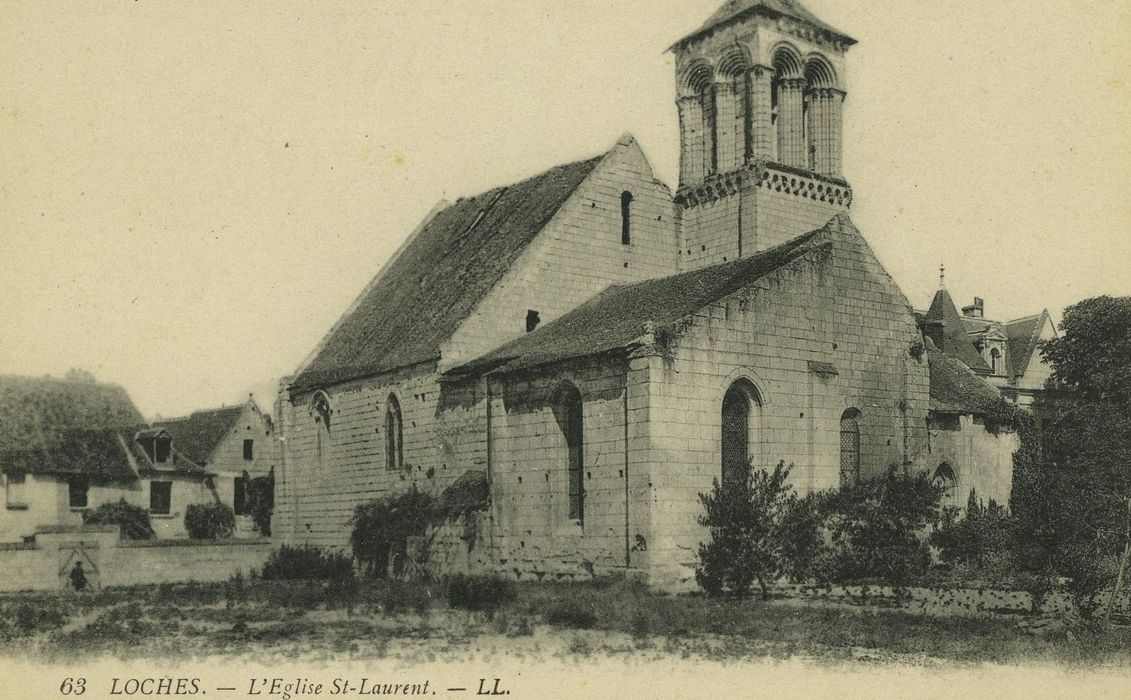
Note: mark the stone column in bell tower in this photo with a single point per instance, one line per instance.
(761, 79)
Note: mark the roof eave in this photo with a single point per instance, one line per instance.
(704, 31)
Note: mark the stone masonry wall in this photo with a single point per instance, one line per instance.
(751, 211)
(980, 459)
(533, 534)
(837, 307)
(578, 254)
(325, 474)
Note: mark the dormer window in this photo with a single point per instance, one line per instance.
(995, 361)
(162, 447)
(532, 320)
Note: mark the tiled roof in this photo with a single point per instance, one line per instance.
(955, 389)
(955, 343)
(737, 9)
(196, 436)
(99, 453)
(615, 319)
(419, 300)
(36, 411)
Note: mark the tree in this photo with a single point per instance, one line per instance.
(1082, 486)
(751, 522)
(875, 527)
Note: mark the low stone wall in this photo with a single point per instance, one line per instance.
(942, 601)
(105, 560)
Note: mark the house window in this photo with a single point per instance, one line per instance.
(568, 413)
(15, 490)
(625, 218)
(160, 497)
(849, 447)
(946, 480)
(240, 501)
(532, 320)
(248, 450)
(739, 410)
(78, 488)
(394, 434)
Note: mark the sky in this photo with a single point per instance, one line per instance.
(191, 194)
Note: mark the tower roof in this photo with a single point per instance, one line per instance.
(955, 342)
(734, 10)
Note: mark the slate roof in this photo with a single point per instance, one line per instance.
(197, 436)
(50, 425)
(422, 296)
(956, 344)
(956, 389)
(1023, 336)
(737, 9)
(615, 319)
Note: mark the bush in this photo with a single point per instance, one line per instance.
(209, 521)
(485, 593)
(288, 563)
(981, 543)
(132, 520)
(572, 613)
(261, 502)
(381, 529)
(748, 517)
(873, 528)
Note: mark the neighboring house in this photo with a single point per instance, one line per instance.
(234, 445)
(981, 371)
(1004, 353)
(602, 349)
(67, 446)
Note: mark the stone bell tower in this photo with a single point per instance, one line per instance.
(760, 91)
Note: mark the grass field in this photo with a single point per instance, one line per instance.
(299, 619)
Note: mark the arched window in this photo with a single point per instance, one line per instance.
(947, 480)
(849, 447)
(568, 412)
(741, 408)
(394, 434)
(709, 100)
(625, 217)
(995, 360)
(322, 412)
(822, 116)
(787, 95)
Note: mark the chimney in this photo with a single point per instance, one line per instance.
(975, 310)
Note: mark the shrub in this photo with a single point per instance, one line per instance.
(132, 520)
(485, 593)
(261, 502)
(306, 562)
(381, 529)
(748, 517)
(981, 543)
(209, 521)
(572, 613)
(873, 528)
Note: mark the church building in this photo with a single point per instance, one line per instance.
(597, 348)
